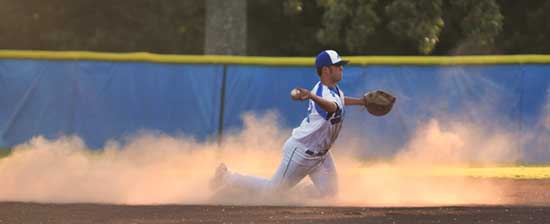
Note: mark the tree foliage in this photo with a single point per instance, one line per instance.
(284, 27)
(480, 22)
(419, 21)
(347, 23)
(526, 28)
(168, 26)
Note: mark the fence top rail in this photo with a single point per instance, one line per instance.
(271, 61)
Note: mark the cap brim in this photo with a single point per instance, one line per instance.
(342, 62)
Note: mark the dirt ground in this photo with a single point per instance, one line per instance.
(531, 205)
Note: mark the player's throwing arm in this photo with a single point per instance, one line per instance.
(304, 94)
(377, 103)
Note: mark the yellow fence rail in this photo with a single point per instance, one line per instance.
(271, 61)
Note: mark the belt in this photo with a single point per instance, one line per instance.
(312, 153)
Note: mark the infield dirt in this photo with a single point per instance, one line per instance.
(531, 205)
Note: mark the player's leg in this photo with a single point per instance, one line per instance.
(291, 170)
(294, 166)
(247, 181)
(324, 177)
(223, 177)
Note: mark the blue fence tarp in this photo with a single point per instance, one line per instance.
(99, 101)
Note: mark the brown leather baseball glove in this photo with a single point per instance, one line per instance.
(378, 103)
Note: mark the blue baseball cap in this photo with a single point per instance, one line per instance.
(328, 58)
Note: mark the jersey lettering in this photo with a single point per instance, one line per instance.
(337, 118)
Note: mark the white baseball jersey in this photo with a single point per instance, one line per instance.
(319, 129)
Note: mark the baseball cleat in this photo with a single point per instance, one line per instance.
(219, 177)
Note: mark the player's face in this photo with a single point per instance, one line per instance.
(335, 72)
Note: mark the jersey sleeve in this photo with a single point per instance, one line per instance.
(326, 94)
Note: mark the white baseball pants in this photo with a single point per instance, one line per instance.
(295, 165)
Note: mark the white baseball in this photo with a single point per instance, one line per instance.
(295, 94)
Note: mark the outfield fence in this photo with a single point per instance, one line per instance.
(105, 96)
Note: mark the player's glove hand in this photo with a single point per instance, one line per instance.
(378, 103)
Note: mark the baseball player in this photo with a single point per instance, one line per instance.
(307, 152)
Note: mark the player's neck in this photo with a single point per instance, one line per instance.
(328, 82)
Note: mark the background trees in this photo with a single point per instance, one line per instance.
(283, 28)
(167, 26)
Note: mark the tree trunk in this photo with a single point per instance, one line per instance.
(225, 27)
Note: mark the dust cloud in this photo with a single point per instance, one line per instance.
(152, 168)
(416, 177)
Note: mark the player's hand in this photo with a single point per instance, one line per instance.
(300, 94)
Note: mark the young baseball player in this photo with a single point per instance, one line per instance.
(307, 152)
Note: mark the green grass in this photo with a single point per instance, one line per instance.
(4, 152)
(508, 172)
(531, 171)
